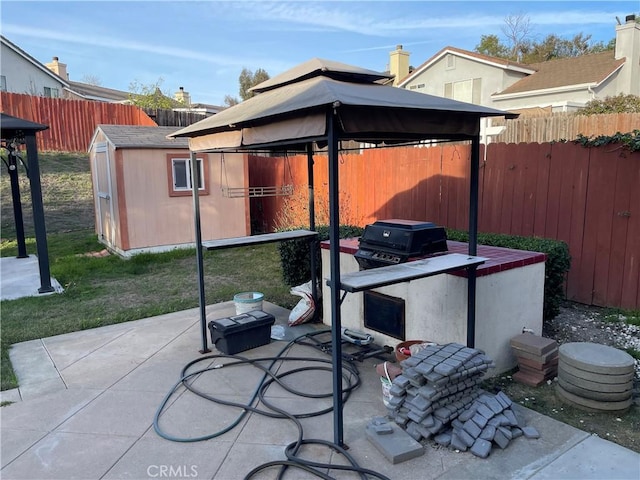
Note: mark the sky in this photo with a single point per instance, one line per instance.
(203, 46)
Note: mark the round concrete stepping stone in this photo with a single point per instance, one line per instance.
(596, 377)
(595, 385)
(596, 358)
(594, 394)
(591, 405)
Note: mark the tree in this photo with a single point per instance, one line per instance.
(247, 79)
(150, 96)
(520, 47)
(490, 45)
(517, 29)
(620, 103)
(90, 79)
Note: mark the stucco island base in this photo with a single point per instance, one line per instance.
(510, 292)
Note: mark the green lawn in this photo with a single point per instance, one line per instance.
(102, 291)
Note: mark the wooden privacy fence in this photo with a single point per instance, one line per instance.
(71, 122)
(553, 128)
(587, 197)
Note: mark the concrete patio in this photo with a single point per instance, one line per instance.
(86, 404)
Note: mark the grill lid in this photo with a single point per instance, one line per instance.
(388, 242)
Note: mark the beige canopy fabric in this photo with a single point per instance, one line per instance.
(364, 110)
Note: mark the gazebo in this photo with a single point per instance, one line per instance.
(14, 132)
(321, 103)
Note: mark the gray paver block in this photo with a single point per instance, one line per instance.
(397, 446)
(464, 436)
(397, 391)
(472, 428)
(494, 405)
(443, 439)
(436, 427)
(481, 448)
(511, 417)
(530, 432)
(515, 433)
(457, 443)
(424, 368)
(485, 411)
(428, 421)
(506, 431)
(401, 381)
(488, 432)
(479, 420)
(444, 369)
(500, 439)
(504, 399)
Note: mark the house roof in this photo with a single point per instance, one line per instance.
(95, 92)
(32, 60)
(585, 69)
(498, 62)
(135, 136)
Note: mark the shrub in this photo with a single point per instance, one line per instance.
(557, 263)
(620, 103)
(294, 254)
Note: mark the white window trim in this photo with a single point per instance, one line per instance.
(188, 174)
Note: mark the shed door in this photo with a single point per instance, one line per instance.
(104, 201)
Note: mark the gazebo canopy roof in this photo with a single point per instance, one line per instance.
(292, 108)
(13, 126)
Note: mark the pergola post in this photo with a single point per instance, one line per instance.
(202, 302)
(334, 279)
(474, 177)
(313, 244)
(38, 214)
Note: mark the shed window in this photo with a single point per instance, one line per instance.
(179, 175)
(51, 92)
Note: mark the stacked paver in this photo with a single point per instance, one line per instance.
(438, 396)
(537, 359)
(595, 377)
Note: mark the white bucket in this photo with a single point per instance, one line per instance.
(248, 301)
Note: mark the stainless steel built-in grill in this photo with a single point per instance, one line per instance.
(389, 242)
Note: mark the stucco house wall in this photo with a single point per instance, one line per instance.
(23, 74)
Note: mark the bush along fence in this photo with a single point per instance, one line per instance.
(556, 266)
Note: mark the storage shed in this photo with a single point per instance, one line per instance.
(142, 190)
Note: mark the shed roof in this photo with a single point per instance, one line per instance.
(136, 136)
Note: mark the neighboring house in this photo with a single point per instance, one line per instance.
(21, 73)
(142, 190)
(561, 85)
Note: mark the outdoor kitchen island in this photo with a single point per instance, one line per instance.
(510, 290)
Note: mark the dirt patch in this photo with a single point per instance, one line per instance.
(581, 323)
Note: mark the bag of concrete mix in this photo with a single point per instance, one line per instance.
(305, 309)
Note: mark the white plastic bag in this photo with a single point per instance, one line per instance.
(304, 310)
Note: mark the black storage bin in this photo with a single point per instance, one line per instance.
(241, 332)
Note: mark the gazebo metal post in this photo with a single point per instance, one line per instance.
(334, 260)
(17, 204)
(38, 214)
(313, 243)
(195, 182)
(473, 239)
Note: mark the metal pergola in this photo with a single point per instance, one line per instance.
(15, 132)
